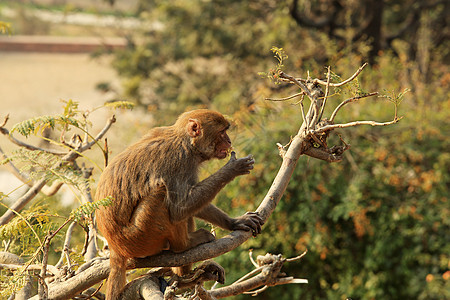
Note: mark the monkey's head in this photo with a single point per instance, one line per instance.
(207, 131)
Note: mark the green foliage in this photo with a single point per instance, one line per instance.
(5, 28)
(24, 234)
(43, 165)
(394, 98)
(273, 74)
(71, 117)
(89, 208)
(120, 104)
(377, 224)
(205, 56)
(34, 126)
(11, 282)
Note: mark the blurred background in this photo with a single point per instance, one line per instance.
(377, 225)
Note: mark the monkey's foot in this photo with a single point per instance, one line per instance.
(206, 271)
(211, 271)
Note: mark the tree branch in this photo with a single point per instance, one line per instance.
(19, 143)
(36, 188)
(353, 99)
(352, 124)
(48, 191)
(342, 82)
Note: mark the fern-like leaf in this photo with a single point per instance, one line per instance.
(40, 164)
(37, 124)
(71, 108)
(11, 282)
(88, 208)
(32, 126)
(120, 104)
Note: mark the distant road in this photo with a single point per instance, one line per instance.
(71, 44)
(54, 44)
(77, 18)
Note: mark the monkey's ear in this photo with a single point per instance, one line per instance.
(194, 129)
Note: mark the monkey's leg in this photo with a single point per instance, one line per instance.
(185, 240)
(149, 228)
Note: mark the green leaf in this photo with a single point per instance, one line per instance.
(89, 208)
(120, 104)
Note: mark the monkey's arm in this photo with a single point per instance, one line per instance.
(202, 193)
(249, 221)
(216, 216)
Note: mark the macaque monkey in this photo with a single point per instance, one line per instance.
(156, 192)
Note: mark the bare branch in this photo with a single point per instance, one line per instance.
(66, 245)
(345, 81)
(34, 267)
(100, 135)
(269, 268)
(333, 115)
(258, 291)
(327, 90)
(42, 286)
(250, 254)
(297, 82)
(250, 274)
(284, 99)
(5, 120)
(352, 124)
(67, 289)
(297, 257)
(22, 201)
(302, 109)
(53, 189)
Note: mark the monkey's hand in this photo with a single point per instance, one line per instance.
(239, 166)
(249, 221)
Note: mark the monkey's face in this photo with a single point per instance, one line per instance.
(208, 132)
(223, 144)
(214, 142)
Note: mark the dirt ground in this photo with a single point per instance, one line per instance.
(33, 84)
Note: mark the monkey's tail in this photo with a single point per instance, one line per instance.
(117, 276)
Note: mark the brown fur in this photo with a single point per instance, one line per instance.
(154, 184)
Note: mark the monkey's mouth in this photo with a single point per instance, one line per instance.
(222, 153)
